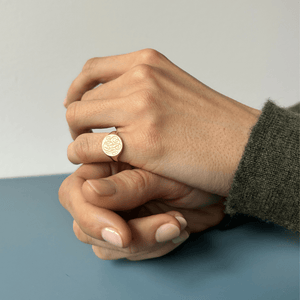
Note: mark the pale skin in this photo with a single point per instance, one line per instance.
(136, 226)
(172, 126)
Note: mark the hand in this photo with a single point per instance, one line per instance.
(137, 213)
(171, 124)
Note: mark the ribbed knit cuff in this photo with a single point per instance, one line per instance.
(266, 184)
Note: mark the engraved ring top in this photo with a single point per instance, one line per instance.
(112, 145)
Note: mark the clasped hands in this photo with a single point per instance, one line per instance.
(182, 140)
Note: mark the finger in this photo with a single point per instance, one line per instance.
(103, 69)
(85, 115)
(132, 188)
(144, 236)
(167, 248)
(122, 86)
(87, 148)
(107, 254)
(144, 232)
(198, 219)
(91, 219)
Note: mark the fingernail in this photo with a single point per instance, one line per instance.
(183, 236)
(167, 232)
(182, 221)
(65, 102)
(111, 236)
(105, 187)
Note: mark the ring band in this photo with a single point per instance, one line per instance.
(112, 145)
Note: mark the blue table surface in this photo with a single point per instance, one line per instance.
(41, 258)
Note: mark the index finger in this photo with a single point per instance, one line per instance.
(103, 69)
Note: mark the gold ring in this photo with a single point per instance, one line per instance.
(112, 145)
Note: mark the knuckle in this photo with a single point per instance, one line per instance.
(71, 113)
(82, 147)
(144, 102)
(102, 254)
(133, 249)
(86, 96)
(71, 152)
(105, 253)
(89, 65)
(62, 193)
(139, 180)
(76, 231)
(150, 56)
(142, 72)
(85, 222)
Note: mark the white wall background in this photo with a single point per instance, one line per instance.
(247, 50)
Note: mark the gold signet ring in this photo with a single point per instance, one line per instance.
(112, 145)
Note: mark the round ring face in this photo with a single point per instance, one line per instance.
(112, 145)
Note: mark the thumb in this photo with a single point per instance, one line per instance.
(130, 189)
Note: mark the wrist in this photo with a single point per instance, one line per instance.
(247, 119)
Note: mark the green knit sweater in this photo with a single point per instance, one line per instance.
(266, 185)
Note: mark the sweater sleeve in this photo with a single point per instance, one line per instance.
(266, 185)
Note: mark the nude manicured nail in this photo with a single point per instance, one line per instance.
(183, 236)
(105, 188)
(166, 233)
(182, 221)
(65, 101)
(111, 236)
